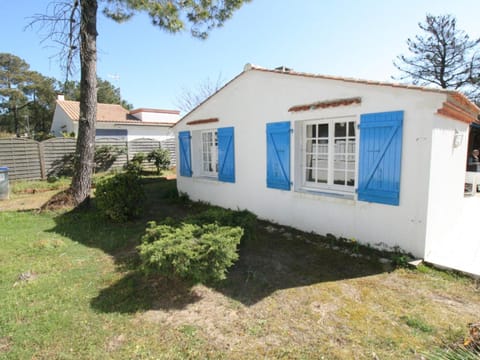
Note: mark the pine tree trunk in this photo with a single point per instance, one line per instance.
(85, 150)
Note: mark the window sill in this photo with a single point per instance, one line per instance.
(206, 177)
(327, 193)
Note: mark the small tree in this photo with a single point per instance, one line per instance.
(161, 159)
(444, 56)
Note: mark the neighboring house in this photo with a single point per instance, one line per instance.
(380, 163)
(115, 121)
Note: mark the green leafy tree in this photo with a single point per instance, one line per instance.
(160, 158)
(80, 18)
(27, 98)
(13, 80)
(443, 55)
(71, 90)
(107, 93)
(42, 92)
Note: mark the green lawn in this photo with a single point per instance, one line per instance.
(69, 289)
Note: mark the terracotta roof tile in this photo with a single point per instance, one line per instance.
(202, 121)
(459, 97)
(106, 113)
(326, 104)
(472, 108)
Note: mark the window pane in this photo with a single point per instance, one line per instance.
(339, 162)
(311, 131)
(351, 147)
(323, 130)
(322, 147)
(340, 146)
(340, 129)
(309, 148)
(322, 176)
(310, 174)
(209, 152)
(309, 162)
(351, 128)
(351, 162)
(350, 178)
(339, 177)
(319, 166)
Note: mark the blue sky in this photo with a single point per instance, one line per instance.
(352, 38)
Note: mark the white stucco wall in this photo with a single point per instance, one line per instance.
(257, 98)
(157, 117)
(61, 122)
(453, 218)
(159, 133)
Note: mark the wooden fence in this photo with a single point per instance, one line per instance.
(29, 159)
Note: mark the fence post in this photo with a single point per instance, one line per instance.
(41, 156)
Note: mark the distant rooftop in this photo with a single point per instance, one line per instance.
(116, 113)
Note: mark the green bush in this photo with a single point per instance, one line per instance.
(135, 165)
(120, 197)
(105, 156)
(197, 253)
(225, 217)
(161, 159)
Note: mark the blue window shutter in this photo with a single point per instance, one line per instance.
(278, 155)
(226, 154)
(184, 153)
(380, 157)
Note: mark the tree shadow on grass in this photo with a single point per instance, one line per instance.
(134, 291)
(138, 292)
(287, 258)
(274, 260)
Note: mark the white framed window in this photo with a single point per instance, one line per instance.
(329, 154)
(209, 143)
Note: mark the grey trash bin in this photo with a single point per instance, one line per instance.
(3, 182)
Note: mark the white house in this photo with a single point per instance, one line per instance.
(115, 121)
(382, 163)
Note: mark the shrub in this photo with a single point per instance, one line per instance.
(120, 197)
(197, 253)
(138, 158)
(104, 158)
(225, 217)
(135, 165)
(161, 159)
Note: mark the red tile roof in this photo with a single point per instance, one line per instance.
(202, 121)
(326, 104)
(465, 111)
(107, 113)
(457, 106)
